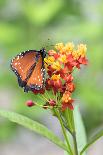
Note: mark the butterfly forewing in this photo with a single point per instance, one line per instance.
(22, 63)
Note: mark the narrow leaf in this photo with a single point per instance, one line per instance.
(93, 140)
(80, 131)
(34, 126)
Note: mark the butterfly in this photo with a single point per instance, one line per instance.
(29, 69)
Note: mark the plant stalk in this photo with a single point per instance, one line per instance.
(64, 133)
(74, 138)
(75, 144)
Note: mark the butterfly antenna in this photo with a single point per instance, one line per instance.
(49, 43)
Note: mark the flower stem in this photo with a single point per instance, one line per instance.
(75, 144)
(64, 132)
(74, 138)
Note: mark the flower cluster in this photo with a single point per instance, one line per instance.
(60, 64)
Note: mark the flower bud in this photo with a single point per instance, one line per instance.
(30, 103)
(52, 102)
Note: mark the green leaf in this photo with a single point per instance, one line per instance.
(93, 140)
(80, 131)
(69, 117)
(34, 126)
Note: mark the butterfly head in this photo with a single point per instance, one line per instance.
(43, 52)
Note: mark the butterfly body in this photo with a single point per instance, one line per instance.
(29, 69)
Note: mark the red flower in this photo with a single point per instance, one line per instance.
(50, 70)
(78, 65)
(67, 105)
(83, 60)
(63, 89)
(56, 56)
(47, 84)
(70, 67)
(70, 87)
(62, 72)
(56, 85)
(68, 78)
(70, 58)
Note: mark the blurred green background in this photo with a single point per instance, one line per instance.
(27, 24)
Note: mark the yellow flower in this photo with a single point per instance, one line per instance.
(75, 54)
(69, 47)
(49, 60)
(55, 77)
(82, 50)
(59, 46)
(62, 58)
(56, 65)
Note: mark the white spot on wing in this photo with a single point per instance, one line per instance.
(18, 57)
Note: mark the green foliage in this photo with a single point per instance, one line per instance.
(7, 130)
(92, 140)
(32, 125)
(79, 129)
(42, 12)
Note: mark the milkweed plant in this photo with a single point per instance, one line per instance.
(57, 96)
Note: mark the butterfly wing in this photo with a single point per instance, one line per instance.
(36, 80)
(22, 65)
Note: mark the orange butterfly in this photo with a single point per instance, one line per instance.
(29, 69)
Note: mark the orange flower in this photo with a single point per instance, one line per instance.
(66, 97)
(61, 63)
